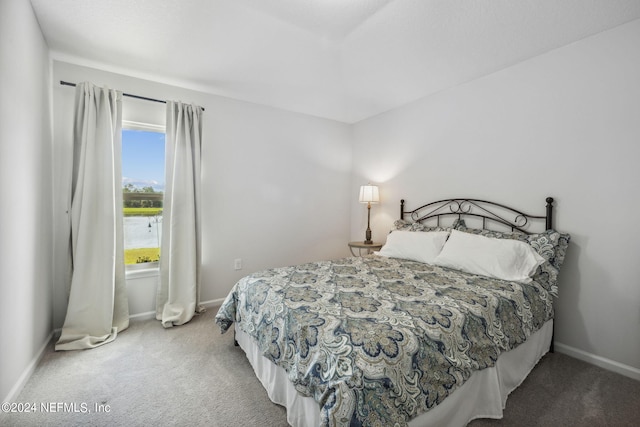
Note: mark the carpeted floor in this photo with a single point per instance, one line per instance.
(193, 376)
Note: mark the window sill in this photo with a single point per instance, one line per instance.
(140, 271)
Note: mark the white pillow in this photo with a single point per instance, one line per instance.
(418, 246)
(504, 259)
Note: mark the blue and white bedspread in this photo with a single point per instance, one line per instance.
(377, 341)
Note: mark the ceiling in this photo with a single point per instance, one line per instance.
(339, 59)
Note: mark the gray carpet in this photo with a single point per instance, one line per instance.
(191, 375)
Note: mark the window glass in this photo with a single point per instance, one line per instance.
(142, 191)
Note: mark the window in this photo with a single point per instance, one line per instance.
(142, 191)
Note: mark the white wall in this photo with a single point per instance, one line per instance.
(25, 214)
(275, 183)
(565, 124)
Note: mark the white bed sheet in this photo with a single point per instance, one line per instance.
(483, 395)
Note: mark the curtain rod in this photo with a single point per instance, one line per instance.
(62, 82)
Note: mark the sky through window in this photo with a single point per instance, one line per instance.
(143, 159)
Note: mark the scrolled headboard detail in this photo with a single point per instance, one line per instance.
(488, 212)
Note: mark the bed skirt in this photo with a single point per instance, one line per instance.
(483, 395)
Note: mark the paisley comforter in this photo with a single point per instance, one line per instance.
(378, 341)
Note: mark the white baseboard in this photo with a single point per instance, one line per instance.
(26, 374)
(602, 362)
(152, 314)
(212, 303)
(143, 316)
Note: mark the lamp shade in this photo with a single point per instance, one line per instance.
(369, 194)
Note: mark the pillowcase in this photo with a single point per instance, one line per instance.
(404, 225)
(459, 223)
(503, 259)
(414, 246)
(550, 244)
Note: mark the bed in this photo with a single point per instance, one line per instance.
(437, 328)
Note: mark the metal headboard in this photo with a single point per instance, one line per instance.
(488, 212)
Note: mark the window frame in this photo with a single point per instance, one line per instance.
(143, 269)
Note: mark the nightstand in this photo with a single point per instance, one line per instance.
(360, 245)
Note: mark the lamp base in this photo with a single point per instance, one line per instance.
(367, 236)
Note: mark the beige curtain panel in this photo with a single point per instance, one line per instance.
(97, 308)
(178, 297)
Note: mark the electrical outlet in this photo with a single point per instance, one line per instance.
(237, 264)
